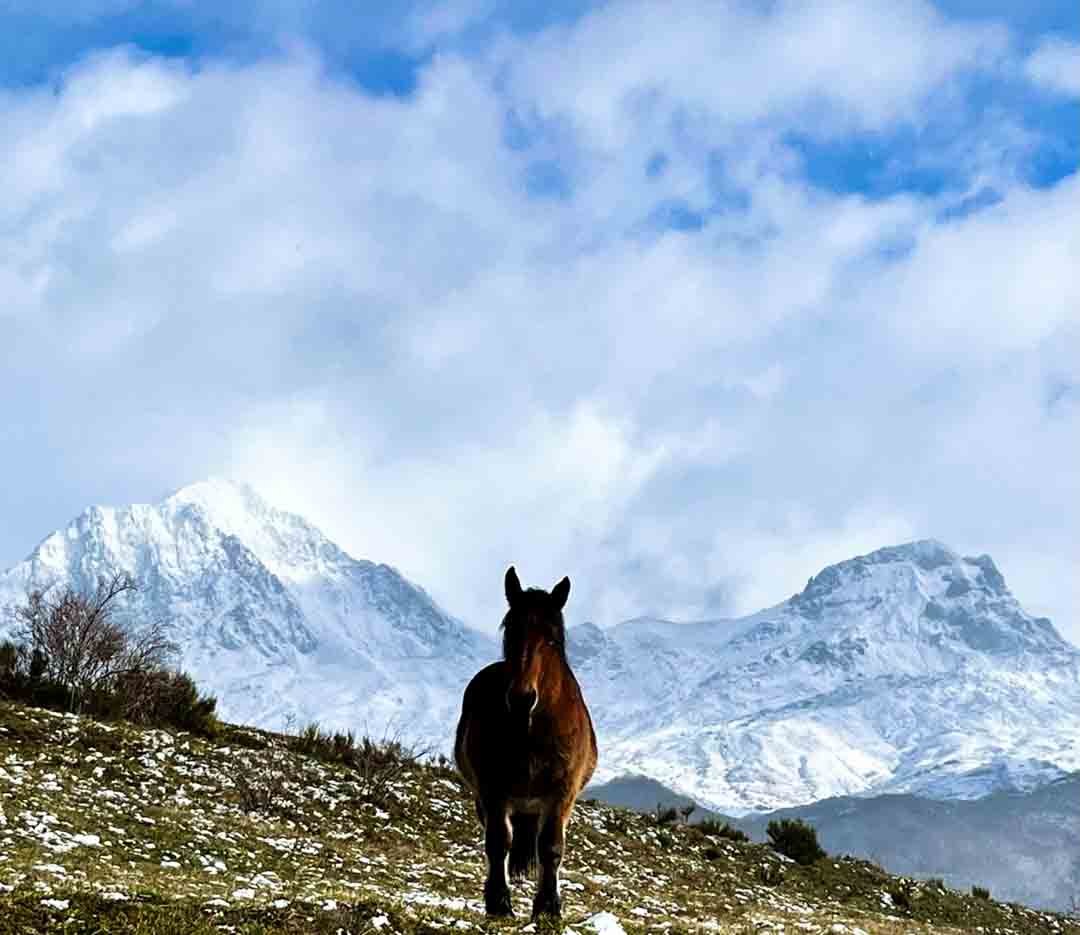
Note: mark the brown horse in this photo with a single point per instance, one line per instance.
(526, 747)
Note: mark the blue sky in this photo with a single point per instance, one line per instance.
(684, 304)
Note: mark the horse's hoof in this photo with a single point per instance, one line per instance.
(498, 904)
(547, 905)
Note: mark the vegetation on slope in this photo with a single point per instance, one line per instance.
(108, 828)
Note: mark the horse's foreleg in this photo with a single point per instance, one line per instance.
(550, 847)
(497, 838)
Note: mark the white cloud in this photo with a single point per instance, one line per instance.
(821, 66)
(356, 303)
(540, 496)
(1055, 63)
(995, 282)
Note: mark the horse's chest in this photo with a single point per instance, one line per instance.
(537, 775)
(528, 804)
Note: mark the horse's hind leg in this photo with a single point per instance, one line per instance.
(551, 842)
(497, 837)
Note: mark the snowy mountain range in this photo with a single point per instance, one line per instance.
(911, 669)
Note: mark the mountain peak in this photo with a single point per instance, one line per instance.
(922, 601)
(222, 495)
(926, 553)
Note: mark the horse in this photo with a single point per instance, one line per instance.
(526, 747)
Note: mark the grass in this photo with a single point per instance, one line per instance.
(106, 828)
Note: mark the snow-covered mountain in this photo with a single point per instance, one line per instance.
(910, 669)
(271, 616)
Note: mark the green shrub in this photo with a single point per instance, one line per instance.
(771, 874)
(339, 747)
(900, 893)
(721, 830)
(980, 892)
(9, 660)
(157, 697)
(311, 741)
(795, 839)
(666, 816)
(177, 702)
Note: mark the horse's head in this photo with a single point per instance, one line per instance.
(534, 642)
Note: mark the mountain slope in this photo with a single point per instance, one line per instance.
(107, 828)
(270, 615)
(911, 669)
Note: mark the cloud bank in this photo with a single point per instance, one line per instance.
(683, 306)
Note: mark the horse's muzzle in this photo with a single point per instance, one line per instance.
(521, 704)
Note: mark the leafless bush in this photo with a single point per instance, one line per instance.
(261, 779)
(380, 765)
(376, 764)
(82, 647)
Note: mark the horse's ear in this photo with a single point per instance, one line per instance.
(560, 593)
(513, 587)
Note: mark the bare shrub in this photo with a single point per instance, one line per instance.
(376, 764)
(76, 656)
(81, 645)
(380, 765)
(261, 779)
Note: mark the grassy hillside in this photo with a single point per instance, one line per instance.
(1024, 847)
(105, 828)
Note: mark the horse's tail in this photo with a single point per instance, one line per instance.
(523, 845)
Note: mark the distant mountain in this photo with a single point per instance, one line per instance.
(1023, 846)
(643, 794)
(911, 669)
(271, 615)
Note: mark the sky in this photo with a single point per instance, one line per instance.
(682, 300)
